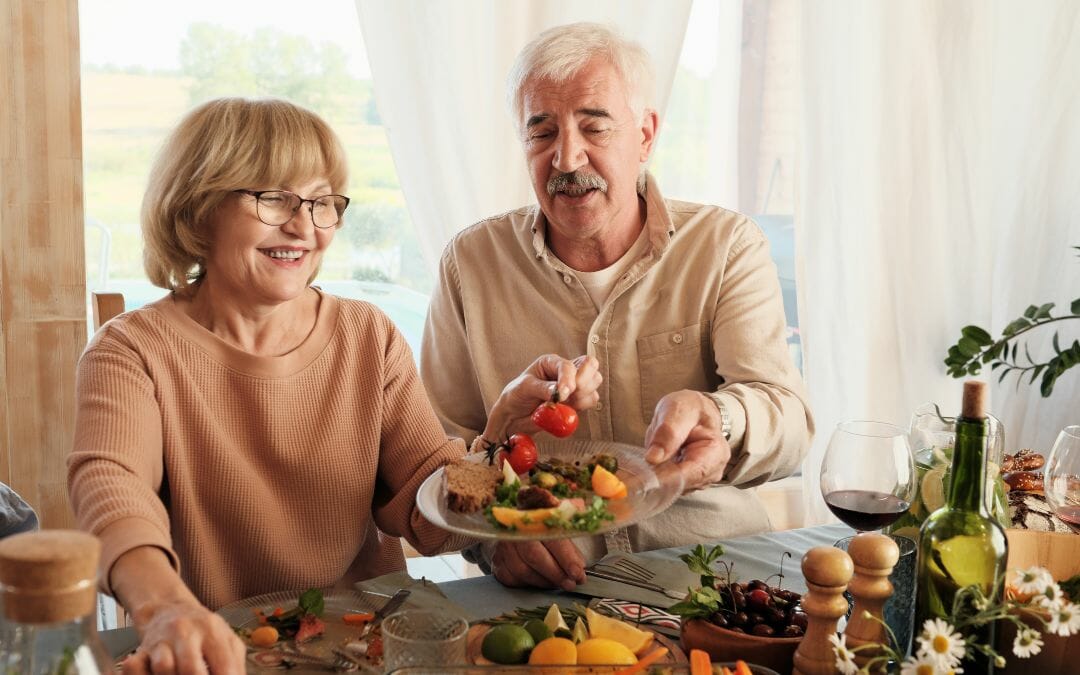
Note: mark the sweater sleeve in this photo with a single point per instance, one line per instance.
(446, 362)
(115, 467)
(413, 446)
(771, 421)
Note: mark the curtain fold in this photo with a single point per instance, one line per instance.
(439, 70)
(939, 186)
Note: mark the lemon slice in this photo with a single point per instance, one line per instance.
(600, 626)
(554, 620)
(932, 489)
(581, 633)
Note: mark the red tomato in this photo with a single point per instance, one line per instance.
(520, 451)
(558, 419)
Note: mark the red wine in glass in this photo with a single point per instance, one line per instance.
(866, 510)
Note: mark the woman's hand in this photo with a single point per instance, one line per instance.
(177, 634)
(185, 637)
(577, 383)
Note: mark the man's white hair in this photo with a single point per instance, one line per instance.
(559, 53)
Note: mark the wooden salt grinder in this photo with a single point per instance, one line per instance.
(827, 571)
(874, 556)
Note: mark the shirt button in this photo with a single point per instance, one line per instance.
(677, 338)
(594, 339)
(567, 278)
(599, 406)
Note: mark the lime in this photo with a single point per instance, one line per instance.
(507, 644)
(538, 630)
(932, 489)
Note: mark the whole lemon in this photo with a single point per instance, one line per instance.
(507, 644)
(554, 651)
(603, 651)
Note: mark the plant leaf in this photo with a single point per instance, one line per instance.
(1043, 312)
(1027, 354)
(968, 347)
(1003, 374)
(980, 336)
(1015, 326)
(1057, 347)
(1035, 373)
(1029, 313)
(1075, 307)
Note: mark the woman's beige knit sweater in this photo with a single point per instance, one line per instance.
(255, 474)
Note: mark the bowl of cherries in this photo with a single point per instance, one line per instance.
(752, 621)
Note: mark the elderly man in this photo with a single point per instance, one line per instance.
(677, 304)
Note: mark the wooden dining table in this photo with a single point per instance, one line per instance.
(753, 557)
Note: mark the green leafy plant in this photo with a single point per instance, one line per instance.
(977, 348)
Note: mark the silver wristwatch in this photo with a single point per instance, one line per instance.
(725, 415)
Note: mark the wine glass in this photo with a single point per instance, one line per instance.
(1061, 477)
(868, 474)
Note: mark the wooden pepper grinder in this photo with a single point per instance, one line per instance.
(827, 571)
(874, 556)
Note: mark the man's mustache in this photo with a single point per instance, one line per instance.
(575, 179)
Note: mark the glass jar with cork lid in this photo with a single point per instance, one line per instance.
(48, 596)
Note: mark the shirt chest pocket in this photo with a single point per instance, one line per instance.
(673, 360)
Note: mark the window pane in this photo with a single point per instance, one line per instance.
(137, 85)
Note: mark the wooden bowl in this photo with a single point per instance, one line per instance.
(1059, 553)
(726, 645)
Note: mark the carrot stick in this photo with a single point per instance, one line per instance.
(700, 662)
(645, 661)
(357, 619)
(741, 668)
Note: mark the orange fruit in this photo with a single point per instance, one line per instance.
(602, 651)
(523, 520)
(554, 651)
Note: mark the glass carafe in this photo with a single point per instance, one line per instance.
(933, 436)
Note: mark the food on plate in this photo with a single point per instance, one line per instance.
(300, 637)
(558, 419)
(1025, 481)
(470, 486)
(519, 451)
(596, 640)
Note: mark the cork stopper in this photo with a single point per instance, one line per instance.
(974, 405)
(49, 576)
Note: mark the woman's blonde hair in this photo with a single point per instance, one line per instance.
(561, 52)
(224, 145)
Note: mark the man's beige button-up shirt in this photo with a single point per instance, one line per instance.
(701, 309)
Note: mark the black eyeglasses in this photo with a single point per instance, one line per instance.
(277, 207)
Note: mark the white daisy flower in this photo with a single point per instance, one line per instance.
(845, 658)
(942, 643)
(1051, 597)
(1032, 581)
(1028, 643)
(1064, 619)
(922, 665)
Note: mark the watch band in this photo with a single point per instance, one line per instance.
(725, 414)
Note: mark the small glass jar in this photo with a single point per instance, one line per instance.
(47, 600)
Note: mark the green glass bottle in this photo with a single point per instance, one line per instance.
(960, 544)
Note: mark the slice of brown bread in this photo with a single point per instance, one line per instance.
(470, 486)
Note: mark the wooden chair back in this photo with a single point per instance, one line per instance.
(106, 306)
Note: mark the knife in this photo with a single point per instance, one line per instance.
(381, 613)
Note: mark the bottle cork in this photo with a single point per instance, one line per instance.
(874, 556)
(974, 401)
(827, 571)
(49, 576)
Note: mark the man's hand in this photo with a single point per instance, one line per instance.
(541, 564)
(577, 382)
(185, 637)
(689, 420)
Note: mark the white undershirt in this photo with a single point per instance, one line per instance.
(600, 283)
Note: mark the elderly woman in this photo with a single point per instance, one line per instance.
(248, 432)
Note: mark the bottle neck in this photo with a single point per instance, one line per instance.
(969, 465)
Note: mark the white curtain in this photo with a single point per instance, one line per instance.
(939, 186)
(439, 70)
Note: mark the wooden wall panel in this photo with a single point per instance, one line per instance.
(42, 268)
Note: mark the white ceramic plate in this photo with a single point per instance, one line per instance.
(650, 490)
(336, 603)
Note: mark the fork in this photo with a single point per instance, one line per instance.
(626, 571)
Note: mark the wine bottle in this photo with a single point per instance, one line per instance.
(960, 544)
